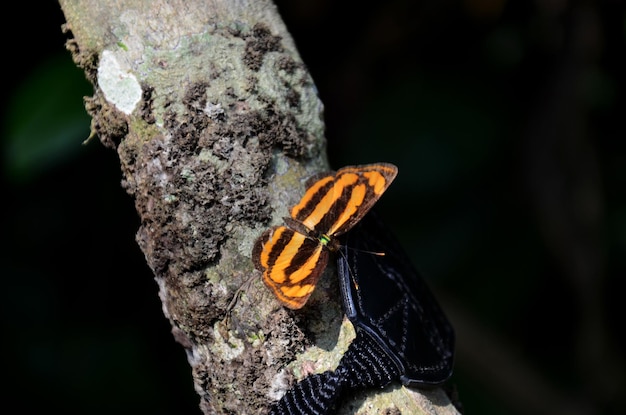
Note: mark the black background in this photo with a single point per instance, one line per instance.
(506, 120)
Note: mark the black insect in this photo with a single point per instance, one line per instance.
(402, 333)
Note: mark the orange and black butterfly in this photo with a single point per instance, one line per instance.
(293, 257)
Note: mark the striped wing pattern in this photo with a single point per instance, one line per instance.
(293, 257)
(334, 203)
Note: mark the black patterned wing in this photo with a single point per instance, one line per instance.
(364, 365)
(402, 332)
(385, 297)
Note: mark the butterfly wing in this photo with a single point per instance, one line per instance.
(293, 257)
(334, 203)
(385, 296)
(291, 263)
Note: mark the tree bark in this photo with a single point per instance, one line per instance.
(217, 124)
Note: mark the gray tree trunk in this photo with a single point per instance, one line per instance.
(217, 123)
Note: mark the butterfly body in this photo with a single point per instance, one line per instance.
(292, 257)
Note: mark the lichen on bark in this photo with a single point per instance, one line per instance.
(223, 107)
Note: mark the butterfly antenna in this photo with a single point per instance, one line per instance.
(356, 285)
(367, 252)
(345, 259)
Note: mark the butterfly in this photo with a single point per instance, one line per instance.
(402, 332)
(293, 256)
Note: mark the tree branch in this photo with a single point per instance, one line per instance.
(217, 124)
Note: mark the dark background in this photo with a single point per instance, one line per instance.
(507, 122)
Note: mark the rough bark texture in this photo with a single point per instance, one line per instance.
(217, 124)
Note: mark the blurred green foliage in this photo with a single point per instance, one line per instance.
(44, 120)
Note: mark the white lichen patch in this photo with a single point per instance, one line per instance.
(228, 348)
(278, 386)
(120, 87)
(318, 360)
(213, 110)
(256, 339)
